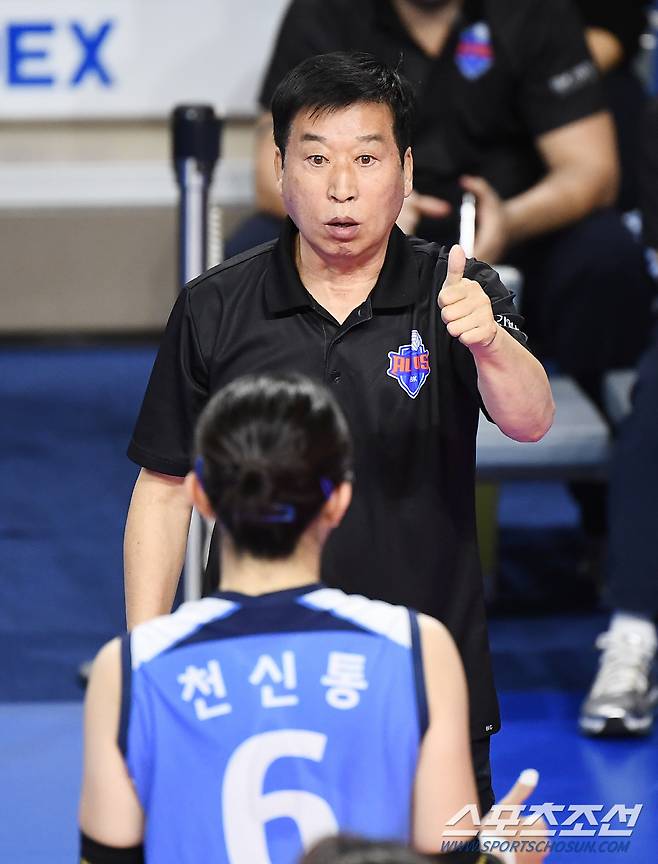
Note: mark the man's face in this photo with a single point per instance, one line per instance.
(342, 181)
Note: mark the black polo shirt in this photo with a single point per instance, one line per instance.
(409, 391)
(510, 71)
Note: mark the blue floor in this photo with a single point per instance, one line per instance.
(41, 757)
(64, 424)
(539, 732)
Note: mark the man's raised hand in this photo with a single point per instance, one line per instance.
(416, 206)
(465, 307)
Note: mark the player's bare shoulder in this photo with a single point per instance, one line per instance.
(441, 658)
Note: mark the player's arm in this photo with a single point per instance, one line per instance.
(444, 776)
(512, 383)
(268, 197)
(154, 544)
(445, 783)
(514, 388)
(111, 818)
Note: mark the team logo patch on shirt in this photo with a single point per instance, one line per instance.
(474, 55)
(410, 365)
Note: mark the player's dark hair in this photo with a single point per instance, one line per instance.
(329, 82)
(269, 452)
(347, 849)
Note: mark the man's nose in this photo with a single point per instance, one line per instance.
(342, 184)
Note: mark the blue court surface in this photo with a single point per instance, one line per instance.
(66, 419)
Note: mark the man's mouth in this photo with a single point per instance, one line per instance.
(343, 221)
(342, 228)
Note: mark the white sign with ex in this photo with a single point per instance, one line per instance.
(72, 59)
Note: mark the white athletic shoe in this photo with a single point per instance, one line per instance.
(621, 700)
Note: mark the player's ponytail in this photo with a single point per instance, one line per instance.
(269, 451)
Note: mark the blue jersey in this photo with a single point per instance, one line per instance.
(253, 726)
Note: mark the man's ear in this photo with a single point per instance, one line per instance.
(408, 169)
(278, 169)
(197, 497)
(337, 504)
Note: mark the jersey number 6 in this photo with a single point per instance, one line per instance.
(245, 810)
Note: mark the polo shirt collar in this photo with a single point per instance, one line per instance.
(398, 284)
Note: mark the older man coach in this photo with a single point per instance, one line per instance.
(411, 340)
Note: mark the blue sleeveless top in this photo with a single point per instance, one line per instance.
(253, 726)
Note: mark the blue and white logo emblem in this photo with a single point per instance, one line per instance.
(474, 55)
(410, 365)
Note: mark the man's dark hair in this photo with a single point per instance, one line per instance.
(349, 849)
(329, 82)
(269, 450)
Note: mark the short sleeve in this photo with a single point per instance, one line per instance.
(176, 393)
(502, 300)
(308, 28)
(559, 82)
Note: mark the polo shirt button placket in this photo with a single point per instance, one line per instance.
(335, 376)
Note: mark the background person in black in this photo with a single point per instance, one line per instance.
(612, 33)
(408, 339)
(510, 107)
(622, 699)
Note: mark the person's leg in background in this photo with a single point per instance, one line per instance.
(587, 300)
(587, 297)
(622, 699)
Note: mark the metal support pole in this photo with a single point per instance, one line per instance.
(195, 139)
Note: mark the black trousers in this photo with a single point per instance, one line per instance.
(630, 582)
(587, 301)
(587, 297)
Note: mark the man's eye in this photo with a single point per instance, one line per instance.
(366, 159)
(316, 159)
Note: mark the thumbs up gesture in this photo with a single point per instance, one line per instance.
(465, 307)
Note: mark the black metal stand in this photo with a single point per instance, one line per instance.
(195, 149)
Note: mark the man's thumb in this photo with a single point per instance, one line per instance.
(456, 264)
(524, 786)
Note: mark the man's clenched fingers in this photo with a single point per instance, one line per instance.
(461, 308)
